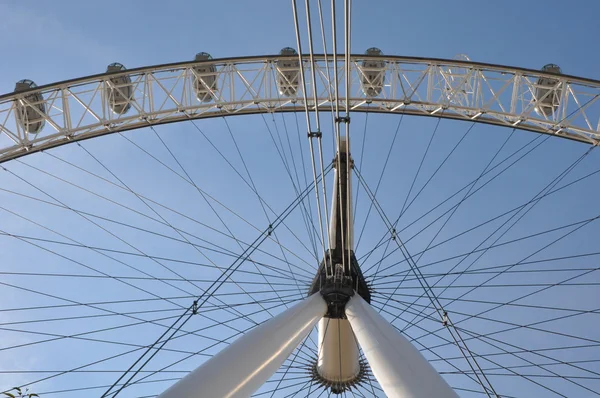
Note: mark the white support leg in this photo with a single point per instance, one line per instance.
(398, 366)
(338, 351)
(245, 365)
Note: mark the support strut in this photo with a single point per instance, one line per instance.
(245, 365)
(398, 366)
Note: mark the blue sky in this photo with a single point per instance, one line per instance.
(53, 41)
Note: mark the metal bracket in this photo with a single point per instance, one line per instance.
(316, 134)
(343, 119)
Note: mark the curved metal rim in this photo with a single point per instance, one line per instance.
(80, 138)
(407, 101)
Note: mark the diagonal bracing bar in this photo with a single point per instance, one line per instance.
(399, 367)
(244, 366)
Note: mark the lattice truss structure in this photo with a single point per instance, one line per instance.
(38, 118)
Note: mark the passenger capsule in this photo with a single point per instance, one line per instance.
(372, 73)
(546, 93)
(288, 71)
(31, 109)
(120, 90)
(205, 79)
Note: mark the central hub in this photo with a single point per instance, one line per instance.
(336, 291)
(339, 285)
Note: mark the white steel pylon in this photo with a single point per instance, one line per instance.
(338, 360)
(398, 366)
(241, 368)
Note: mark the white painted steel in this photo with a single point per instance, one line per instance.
(244, 366)
(338, 351)
(507, 96)
(399, 367)
(346, 180)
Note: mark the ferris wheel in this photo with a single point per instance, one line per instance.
(367, 225)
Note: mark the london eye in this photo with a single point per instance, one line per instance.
(320, 220)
